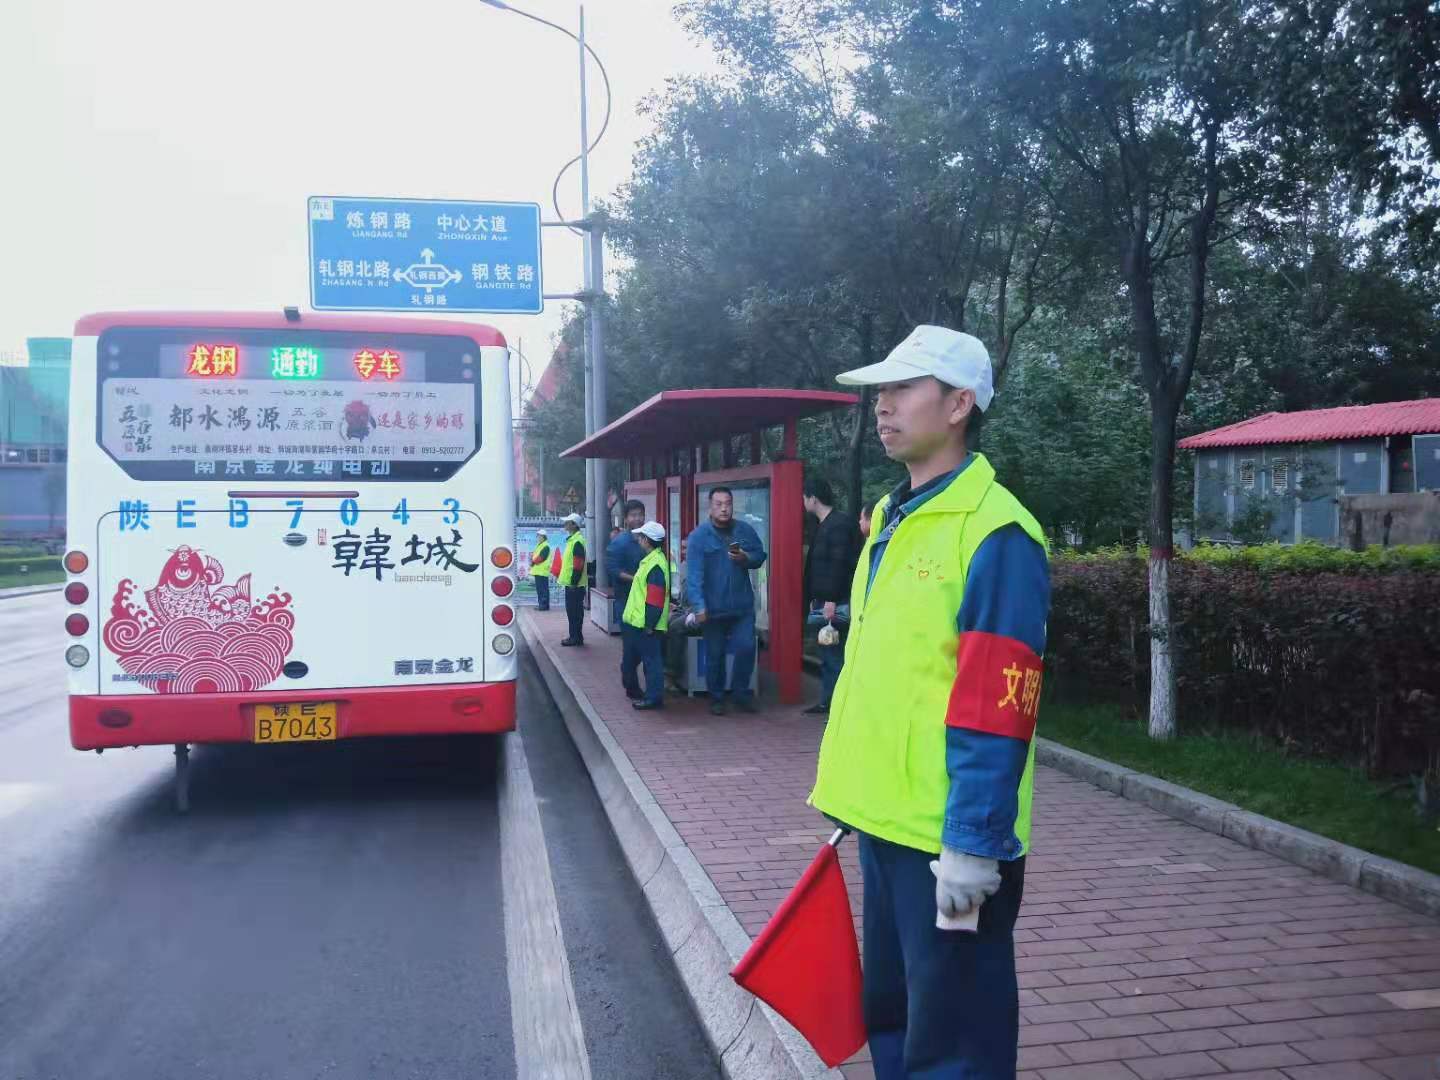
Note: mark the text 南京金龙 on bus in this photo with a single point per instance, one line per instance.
(285, 530)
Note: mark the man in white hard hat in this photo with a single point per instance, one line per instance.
(572, 574)
(929, 750)
(645, 620)
(540, 569)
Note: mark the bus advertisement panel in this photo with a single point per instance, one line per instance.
(288, 529)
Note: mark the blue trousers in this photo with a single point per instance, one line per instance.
(542, 592)
(723, 635)
(832, 657)
(638, 649)
(575, 612)
(939, 1004)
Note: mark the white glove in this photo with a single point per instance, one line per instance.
(962, 883)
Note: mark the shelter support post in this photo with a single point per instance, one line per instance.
(787, 617)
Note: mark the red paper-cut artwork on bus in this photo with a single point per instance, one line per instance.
(194, 634)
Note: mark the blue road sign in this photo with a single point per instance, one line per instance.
(423, 255)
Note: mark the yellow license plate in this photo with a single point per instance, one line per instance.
(306, 721)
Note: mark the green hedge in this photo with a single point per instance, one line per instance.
(1327, 652)
(1305, 557)
(1311, 558)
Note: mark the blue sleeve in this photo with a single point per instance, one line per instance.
(1007, 593)
(654, 586)
(695, 571)
(754, 550)
(615, 551)
(617, 555)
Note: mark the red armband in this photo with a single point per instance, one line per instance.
(655, 595)
(997, 686)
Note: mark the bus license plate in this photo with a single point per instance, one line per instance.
(309, 721)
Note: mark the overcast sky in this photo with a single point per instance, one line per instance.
(159, 154)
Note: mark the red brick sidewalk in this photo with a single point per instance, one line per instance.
(1147, 948)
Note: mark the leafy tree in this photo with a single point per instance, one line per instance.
(1313, 314)
(1359, 82)
(1156, 105)
(1157, 214)
(1070, 436)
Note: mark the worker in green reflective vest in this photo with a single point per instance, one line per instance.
(928, 753)
(540, 569)
(646, 619)
(571, 573)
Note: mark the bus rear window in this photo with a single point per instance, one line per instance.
(300, 406)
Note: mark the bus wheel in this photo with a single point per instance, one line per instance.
(182, 777)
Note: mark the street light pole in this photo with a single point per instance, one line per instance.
(594, 359)
(594, 288)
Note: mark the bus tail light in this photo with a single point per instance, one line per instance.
(468, 706)
(77, 656)
(503, 644)
(114, 718)
(77, 562)
(77, 625)
(502, 614)
(502, 586)
(77, 592)
(501, 558)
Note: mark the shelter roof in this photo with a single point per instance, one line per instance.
(675, 418)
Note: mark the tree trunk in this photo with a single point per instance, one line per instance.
(856, 478)
(1167, 382)
(862, 419)
(1162, 542)
(1156, 373)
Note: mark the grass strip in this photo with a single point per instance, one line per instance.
(1326, 798)
(45, 576)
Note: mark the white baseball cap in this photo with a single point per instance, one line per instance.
(653, 530)
(542, 532)
(574, 519)
(956, 359)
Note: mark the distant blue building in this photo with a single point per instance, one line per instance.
(34, 410)
(1362, 474)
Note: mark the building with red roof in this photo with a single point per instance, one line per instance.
(530, 468)
(1356, 474)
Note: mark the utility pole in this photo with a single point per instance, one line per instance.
(593, 293)
(594, 282)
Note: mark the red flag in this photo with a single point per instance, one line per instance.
(806, 964)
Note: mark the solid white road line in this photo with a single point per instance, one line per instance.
(549, 1041)
(16, 796)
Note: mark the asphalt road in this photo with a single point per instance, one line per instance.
(329, 911)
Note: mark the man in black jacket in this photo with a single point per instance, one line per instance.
(829, 569)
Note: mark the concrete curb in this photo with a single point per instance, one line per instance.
(30, 590)
(703, 935)
(1406, 885)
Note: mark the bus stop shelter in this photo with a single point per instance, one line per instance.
(681, 444)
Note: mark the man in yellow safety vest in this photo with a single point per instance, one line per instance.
(572, 574)
(929, 753)
(540, 569)
(646, 619)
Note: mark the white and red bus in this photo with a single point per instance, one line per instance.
(287, 528)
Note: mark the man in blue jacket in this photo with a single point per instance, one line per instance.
(721, 553)
(623, 555)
